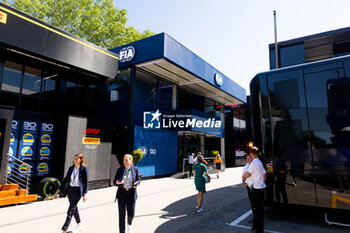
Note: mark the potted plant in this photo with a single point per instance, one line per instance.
(213, 153)
(137, 156)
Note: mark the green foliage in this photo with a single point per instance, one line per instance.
(97, 21)
(213, 153)
(137, 155)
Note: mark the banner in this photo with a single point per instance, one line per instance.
(28, 141)
(14, 139)
(43, 169)
(24, 169)
(45, 141)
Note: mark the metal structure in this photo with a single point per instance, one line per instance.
(18, 176)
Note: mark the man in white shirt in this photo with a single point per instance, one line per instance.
(256, 172)
(247, 183)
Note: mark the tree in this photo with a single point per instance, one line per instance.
(97, 21)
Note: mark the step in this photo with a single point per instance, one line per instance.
(5, 187)
(21, 192)
(18, 199)
(8, 193)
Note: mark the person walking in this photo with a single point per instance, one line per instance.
(257, 174)
(218, 162)
(77, 180)
(200, 172)
(126, 178)
(190, 163)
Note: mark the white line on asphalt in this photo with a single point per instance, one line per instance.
(245, 227)
(244, 216)
(240, 219)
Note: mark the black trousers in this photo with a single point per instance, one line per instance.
(257, 196)
(73, 197)
(126, 203)
(249, 191)
(190, 166)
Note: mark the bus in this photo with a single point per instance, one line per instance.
(301, 124)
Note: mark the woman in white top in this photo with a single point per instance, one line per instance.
(77, 180)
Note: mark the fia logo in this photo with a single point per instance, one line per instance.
(218, 79)
(126, 54)
(151, 120)
(144, 150)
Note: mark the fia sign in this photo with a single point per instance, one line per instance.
(126, 54)
(218, 79)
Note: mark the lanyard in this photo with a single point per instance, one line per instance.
(75, 173)
(126, 178)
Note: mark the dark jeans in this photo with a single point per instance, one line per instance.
(126, 202)
(73, 197)
(258, 209)
(190, 166)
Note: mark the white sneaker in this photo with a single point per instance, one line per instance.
(79, 228)
(128, 228)
(199, 210)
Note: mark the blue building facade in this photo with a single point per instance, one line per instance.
(160, 74)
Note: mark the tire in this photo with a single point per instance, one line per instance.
(48, 187)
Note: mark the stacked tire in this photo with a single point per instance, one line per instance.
(48, 187)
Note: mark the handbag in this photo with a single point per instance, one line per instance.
(207, 179)
(64, 192)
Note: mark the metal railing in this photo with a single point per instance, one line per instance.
(18, 172)
(210, 166)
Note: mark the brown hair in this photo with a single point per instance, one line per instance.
(201, 159)
(81, 157)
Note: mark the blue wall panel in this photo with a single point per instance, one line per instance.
(161, 151)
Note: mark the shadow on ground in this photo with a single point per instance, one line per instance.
(220, 207)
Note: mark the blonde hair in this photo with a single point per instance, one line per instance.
(130, 156)
(218, 156)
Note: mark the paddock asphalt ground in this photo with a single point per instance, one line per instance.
(167, 205)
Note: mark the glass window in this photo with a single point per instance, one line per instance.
(91, 95)
(48, 106)
(210, 106)
(288, 112)
(146, 88)
(71, 94)
(119, 88)
(49, 85)
(31, 81)
(197, 102)
(9, 99)
(165, 94)
(29, 103)
(12, 77)
(321, 89)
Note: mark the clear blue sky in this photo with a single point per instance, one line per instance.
(233, 35)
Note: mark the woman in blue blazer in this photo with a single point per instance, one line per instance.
(126, 178)
(77, 180)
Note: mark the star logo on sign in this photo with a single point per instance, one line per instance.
(156, 115)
